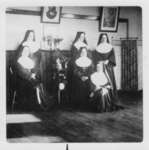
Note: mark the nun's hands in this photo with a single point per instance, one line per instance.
(84, 78)
(106, 62)
(33, 76)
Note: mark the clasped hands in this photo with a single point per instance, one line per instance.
(33, 76)
(84, 78)
(104, 90)
(106, 62)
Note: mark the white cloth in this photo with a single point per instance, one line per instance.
(83, 61)
(80, 44)
(26, 62)
(99, 79)
(33, 46)
(104, 48)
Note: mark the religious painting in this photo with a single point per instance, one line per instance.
(51, 14)
(109, 19)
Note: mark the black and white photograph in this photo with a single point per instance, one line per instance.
(69, 82)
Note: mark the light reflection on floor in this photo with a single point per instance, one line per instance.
(77, 125)
(37, 139)
(21, 118)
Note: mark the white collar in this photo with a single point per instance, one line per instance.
(83, 61)
(80, 44)
(104, 48)
(34, 47)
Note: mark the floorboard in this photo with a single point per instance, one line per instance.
(71, 125)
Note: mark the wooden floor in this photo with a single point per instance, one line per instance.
(71, 125)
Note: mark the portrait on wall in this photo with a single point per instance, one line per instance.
(51, 14)
(109, 19)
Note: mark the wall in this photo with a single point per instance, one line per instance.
(18, 24)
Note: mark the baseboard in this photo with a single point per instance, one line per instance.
(132, 93)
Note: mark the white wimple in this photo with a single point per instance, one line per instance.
(33, 46)
(83, 61)
(80, 44)
(26, 62)
(104, 48)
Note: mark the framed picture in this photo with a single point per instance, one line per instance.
(109, 19)
(51, 14)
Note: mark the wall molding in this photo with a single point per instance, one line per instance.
(63, 15)
(23, 12)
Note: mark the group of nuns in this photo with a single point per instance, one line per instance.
(90, 74)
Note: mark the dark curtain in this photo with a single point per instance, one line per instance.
(129, 78)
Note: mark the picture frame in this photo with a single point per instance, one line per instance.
(109, 19)
(51, 14)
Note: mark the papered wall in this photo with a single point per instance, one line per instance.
(16, 25)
